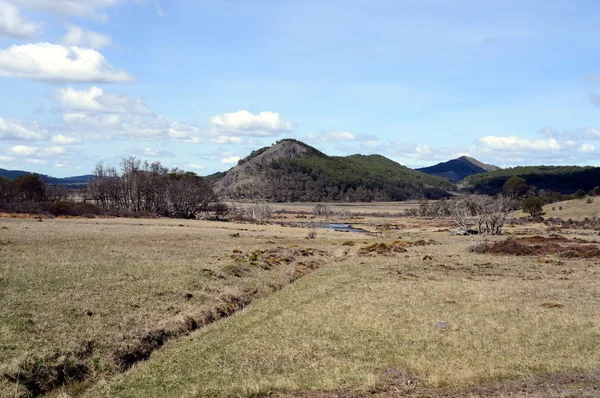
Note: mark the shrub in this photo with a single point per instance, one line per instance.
(259, 211)
(479, 248)
(533, 206)
(580, 194)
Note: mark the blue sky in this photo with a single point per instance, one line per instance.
(199, 84)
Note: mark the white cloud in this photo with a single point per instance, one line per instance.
(77, 36)
(95, 100)
(159, 10)
(512, 143)
(35, 152)
(13, 24)
(230, 160)
(37, 161)
(570, 143)
(591, 132)
(152, 153)
(244, 123)
(65, 140)
(22, 150)
(588, 148)
(195, 166)
(80, 8)
(334, 136)
(55, 63)
(133, 119)
(6, 159)
(423, 152)
(21, 131)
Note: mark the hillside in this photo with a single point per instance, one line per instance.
(12, 174)
(293, 171)
(458, 169)
(563, 179)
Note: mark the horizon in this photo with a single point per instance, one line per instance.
(199, 85)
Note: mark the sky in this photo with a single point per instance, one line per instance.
(199, 84)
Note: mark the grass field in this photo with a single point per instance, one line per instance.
(425, 317)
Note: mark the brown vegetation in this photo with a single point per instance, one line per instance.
(539, 246)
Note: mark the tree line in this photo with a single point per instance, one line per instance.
(137, 188)
(150, 188)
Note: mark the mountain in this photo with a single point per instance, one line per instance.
(458, 169)
(291, 170)
(75, 180)
(564, 179)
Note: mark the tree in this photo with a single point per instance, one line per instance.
(514, 187)
(580, 194)
(533, 206)
(481, 214)
(31, 188)
(7, 190)
(188, 194)
(151, 188)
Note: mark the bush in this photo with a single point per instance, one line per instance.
(78, 209)
(580, 194)
(479, 248)
(533, 206)
(259, 211)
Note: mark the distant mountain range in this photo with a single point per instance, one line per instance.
(564, 179)
(458, 169)
(290, 170)
(75, 180)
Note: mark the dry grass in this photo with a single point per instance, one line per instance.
(351, 207)
(421, 304)
(576, 209)
(67, 286)
(341, 328)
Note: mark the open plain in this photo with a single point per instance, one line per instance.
(107, 307)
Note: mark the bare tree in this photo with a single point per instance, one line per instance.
(481, 214)
(150, 187)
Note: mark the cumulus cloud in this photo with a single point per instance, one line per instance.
(422, 152)
(151, 153)
(21, 131)
(80, 8)
(244, 123)
(194, 166)
(334, 136)
(131, 118)
(13, 24)
(54, 63)
(64, 140)
(513, 143)
(230, 160)
(592, 133)
(77, 36)
(30, 151)
(588, 148)
(95, 100)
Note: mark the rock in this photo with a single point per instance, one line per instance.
(442, 325)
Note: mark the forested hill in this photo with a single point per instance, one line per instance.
(457, 169)
(563, 179)
(13, 174)
(293, 171)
